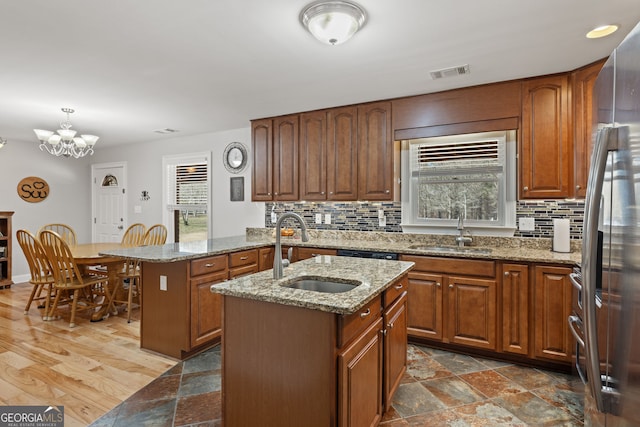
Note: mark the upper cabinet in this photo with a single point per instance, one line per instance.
(582, 83)
(375, 152)
(338, 154)
(544, 160)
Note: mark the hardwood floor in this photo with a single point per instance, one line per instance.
(88, 369)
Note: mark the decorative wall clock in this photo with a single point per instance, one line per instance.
(234, 157)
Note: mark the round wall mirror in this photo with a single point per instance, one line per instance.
(234, 157)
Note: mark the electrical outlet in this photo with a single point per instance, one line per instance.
(327, 218)
(137, 209)
(526, 224)
(380, 213)
(163, 283)
(318, 218)
(382, 222)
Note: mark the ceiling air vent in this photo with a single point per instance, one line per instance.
(450, 72)
(166, 130)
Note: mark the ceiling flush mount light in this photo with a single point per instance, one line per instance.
(2, 142)
(65, 142)
(333, 22)
(602, 31)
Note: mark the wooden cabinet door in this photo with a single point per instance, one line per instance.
(583, 81)
(285, 158)
(262, 160)
(313, 156)
(360, 380)
(515, 308)
(545, 160)
(472, 312)
(206, 309)
(375, 152)
(342, 153)
(552, 306)
(265, 258)
(395, 347)
(424, 310)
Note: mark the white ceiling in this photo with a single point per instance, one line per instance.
(129, 67)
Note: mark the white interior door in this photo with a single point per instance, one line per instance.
(109, 201)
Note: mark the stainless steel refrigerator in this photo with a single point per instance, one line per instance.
(606, 321)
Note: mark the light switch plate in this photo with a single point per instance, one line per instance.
(382, 222)
(318, 218)
(163, 283)
(137, 209)
(327, 218)
(526, 224)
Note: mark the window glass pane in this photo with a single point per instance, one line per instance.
(475, 198)
(192, 225)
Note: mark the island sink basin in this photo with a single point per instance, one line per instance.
(331, 286)
(452, 249)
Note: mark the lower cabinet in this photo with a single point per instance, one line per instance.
(395, 345)
(305, 253)
(515, 309)
(552, 295)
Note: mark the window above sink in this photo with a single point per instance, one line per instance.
(471, 176)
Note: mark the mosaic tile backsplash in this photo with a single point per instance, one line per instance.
(363, 216)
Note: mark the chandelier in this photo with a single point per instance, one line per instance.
(65, 142)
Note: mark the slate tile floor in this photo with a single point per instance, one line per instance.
(439, 389)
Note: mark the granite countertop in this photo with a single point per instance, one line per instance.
(375, 275)
(500, 248)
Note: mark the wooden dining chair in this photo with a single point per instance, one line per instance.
(67, 233)
(155, 235)
(134, 235)
(40, 270)
(81, 289)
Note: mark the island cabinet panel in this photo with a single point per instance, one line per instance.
(375, 152)
(165, 322)
(262, 160)
(278, 365)
(515, 308)
(545, 163)
(472, 312)
(206, 309)
(552, 298)
(285, 158)
(342, 153)
(313, 156)
(360, 369)
(265, 258)
(395, 344)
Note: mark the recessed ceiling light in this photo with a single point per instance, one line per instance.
(602, 31)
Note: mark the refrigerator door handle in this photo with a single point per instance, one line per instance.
(606, 140)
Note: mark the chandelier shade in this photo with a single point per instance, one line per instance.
(65, 142)
(333, 22)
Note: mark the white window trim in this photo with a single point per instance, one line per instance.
(411, 224)
(167, 218)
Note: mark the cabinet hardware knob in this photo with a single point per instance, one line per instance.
(438, 284)
(525, 188)
(506, 273)
(268, 194)
(244, 258)
(578, 187)
(330, 192)
(275, 194)
(210, 264)
(398, 286)
(387, 191)
(365, 313)
(314, 255)
(450, 286)
(384, 332)
(390, 325)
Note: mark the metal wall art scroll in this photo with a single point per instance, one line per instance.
(33, 189)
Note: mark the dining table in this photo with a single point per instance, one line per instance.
(89, 255)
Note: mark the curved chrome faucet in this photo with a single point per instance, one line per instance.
(462, 239)
(277, 257)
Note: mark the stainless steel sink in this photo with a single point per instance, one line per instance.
(332, 286)
(452, 249)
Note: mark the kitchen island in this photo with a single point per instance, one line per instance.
(302, 357)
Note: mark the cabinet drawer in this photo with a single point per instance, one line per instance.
(353, 324)
(238, 259)
(244, 270)
(469, 267)
(305, 253)
(208, 265)
(394, 291)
